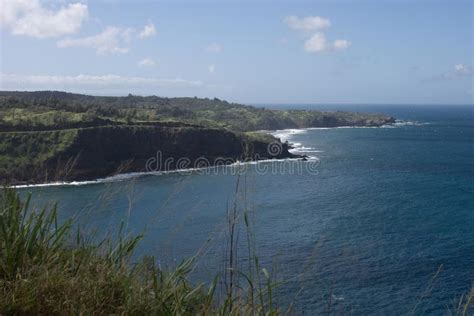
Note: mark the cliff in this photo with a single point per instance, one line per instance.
(57, 136)
(90, 153)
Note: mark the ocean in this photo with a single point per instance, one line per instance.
(382, 222)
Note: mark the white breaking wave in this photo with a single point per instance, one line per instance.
(409, 123)
(305, 150)
(298, 148)
(286, 134)
(131, 175)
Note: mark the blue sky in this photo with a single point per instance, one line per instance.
(415, 52)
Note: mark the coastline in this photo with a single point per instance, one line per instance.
(130, 175)
(283, 134)
(81, 138)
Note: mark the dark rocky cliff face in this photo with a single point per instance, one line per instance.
(104, 151)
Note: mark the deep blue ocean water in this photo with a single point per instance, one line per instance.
(385, 225)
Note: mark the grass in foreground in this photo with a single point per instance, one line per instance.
(45, 268)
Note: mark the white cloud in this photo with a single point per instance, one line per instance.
(214, 48)
(147, 62)
(90, 82)
(113, 40)
(212, 68)
(341, 44)
(457, 71)
(309, 23)
(462, 70)
(110, 41)
(148, 30)
(316, 43)
(31, 18)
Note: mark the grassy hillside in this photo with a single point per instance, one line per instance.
(96, 152)
(57, 109)
(53, 136)
(23, 154)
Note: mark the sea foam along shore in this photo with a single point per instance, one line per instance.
(299, 148)
(286, 135)
(283, 135)
(131, 175)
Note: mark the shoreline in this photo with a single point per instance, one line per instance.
(296, 150)
(130, 175)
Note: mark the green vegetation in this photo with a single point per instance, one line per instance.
(56, 136)
(45, 268)
(24, 153)
(59, 109)
(96, 152)
(259, 136)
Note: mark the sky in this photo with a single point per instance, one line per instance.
(326, 52)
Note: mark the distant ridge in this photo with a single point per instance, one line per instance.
(59, 136)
